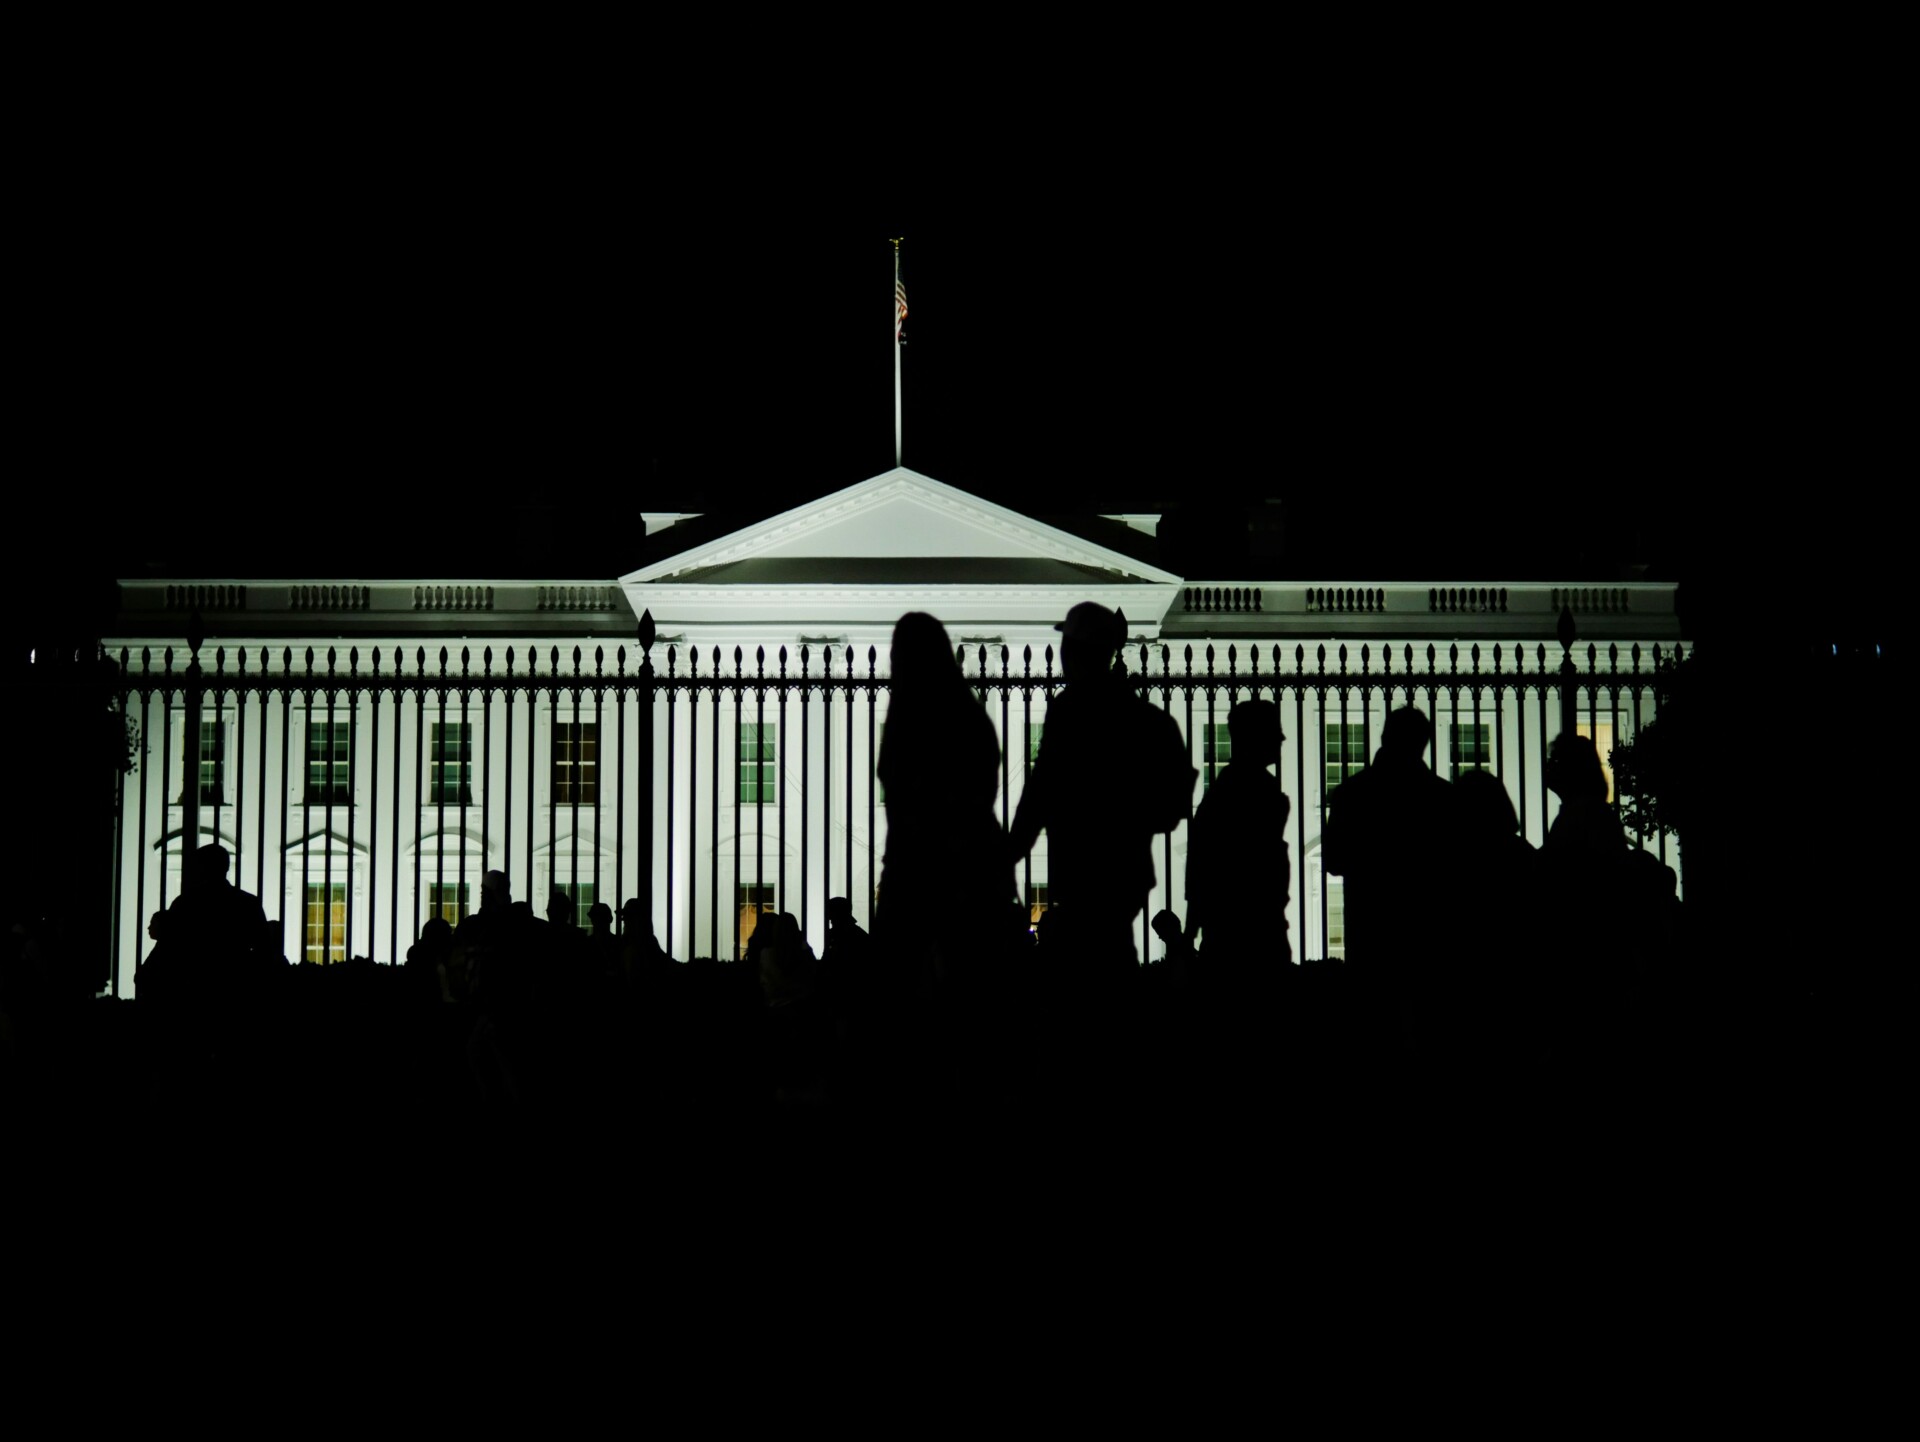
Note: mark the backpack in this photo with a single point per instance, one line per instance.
(1165, 771)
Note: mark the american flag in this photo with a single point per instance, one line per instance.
(899, 307)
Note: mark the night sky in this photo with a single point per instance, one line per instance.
(1570, 355)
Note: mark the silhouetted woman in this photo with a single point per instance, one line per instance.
(945, 879)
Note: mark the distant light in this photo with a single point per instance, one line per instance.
(33, 656)
(1836, 648)
(1876, 648)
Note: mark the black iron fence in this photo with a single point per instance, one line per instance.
(498, 755)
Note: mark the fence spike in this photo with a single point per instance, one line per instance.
(646, 630)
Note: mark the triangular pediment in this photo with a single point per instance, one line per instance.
(898, 522)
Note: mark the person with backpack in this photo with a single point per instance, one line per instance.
(1112, 774)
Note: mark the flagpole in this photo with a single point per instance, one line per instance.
(899, 314)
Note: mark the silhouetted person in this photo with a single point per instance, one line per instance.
(1237, 863)
(483, 957)
(213, 931)
(1112, 774)
(846, 963)
(640, 951)
(1390, 832)
(946, 854)
(428, 962)
(1586, 827)
(1596, 928)
(603, 949)
(1166, 926)
(1494, 1014)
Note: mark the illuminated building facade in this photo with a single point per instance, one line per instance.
(699, 732)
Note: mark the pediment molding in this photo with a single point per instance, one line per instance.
(855, 522)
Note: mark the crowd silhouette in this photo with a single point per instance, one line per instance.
(1486, 985)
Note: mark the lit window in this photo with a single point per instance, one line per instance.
(1036, 904)
(1216, 750)
(327, 743)
(1469, 747)
(210, 759)
(452, 764)
(326, 928)
(576, 763)
(757, 762)
(1346, 750)
(1602, 734)
(448, 901)
(755, 902)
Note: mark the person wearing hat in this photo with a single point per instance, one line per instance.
(1237, 869)
(1112, 773)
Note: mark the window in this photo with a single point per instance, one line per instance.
(1036, 903)
(452, 765)
(448, 901)
(326, 931)
(1336, 918)
(755, 902)
(1216, 750)
(756, 762)
(576, 763)
(327, 742)
(1469, 747)
(1602, 734)
(210, 759)
(1346, 751)
(582, 894)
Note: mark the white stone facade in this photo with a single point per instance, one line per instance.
(830, 575)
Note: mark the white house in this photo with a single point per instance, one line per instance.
(368, 749)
